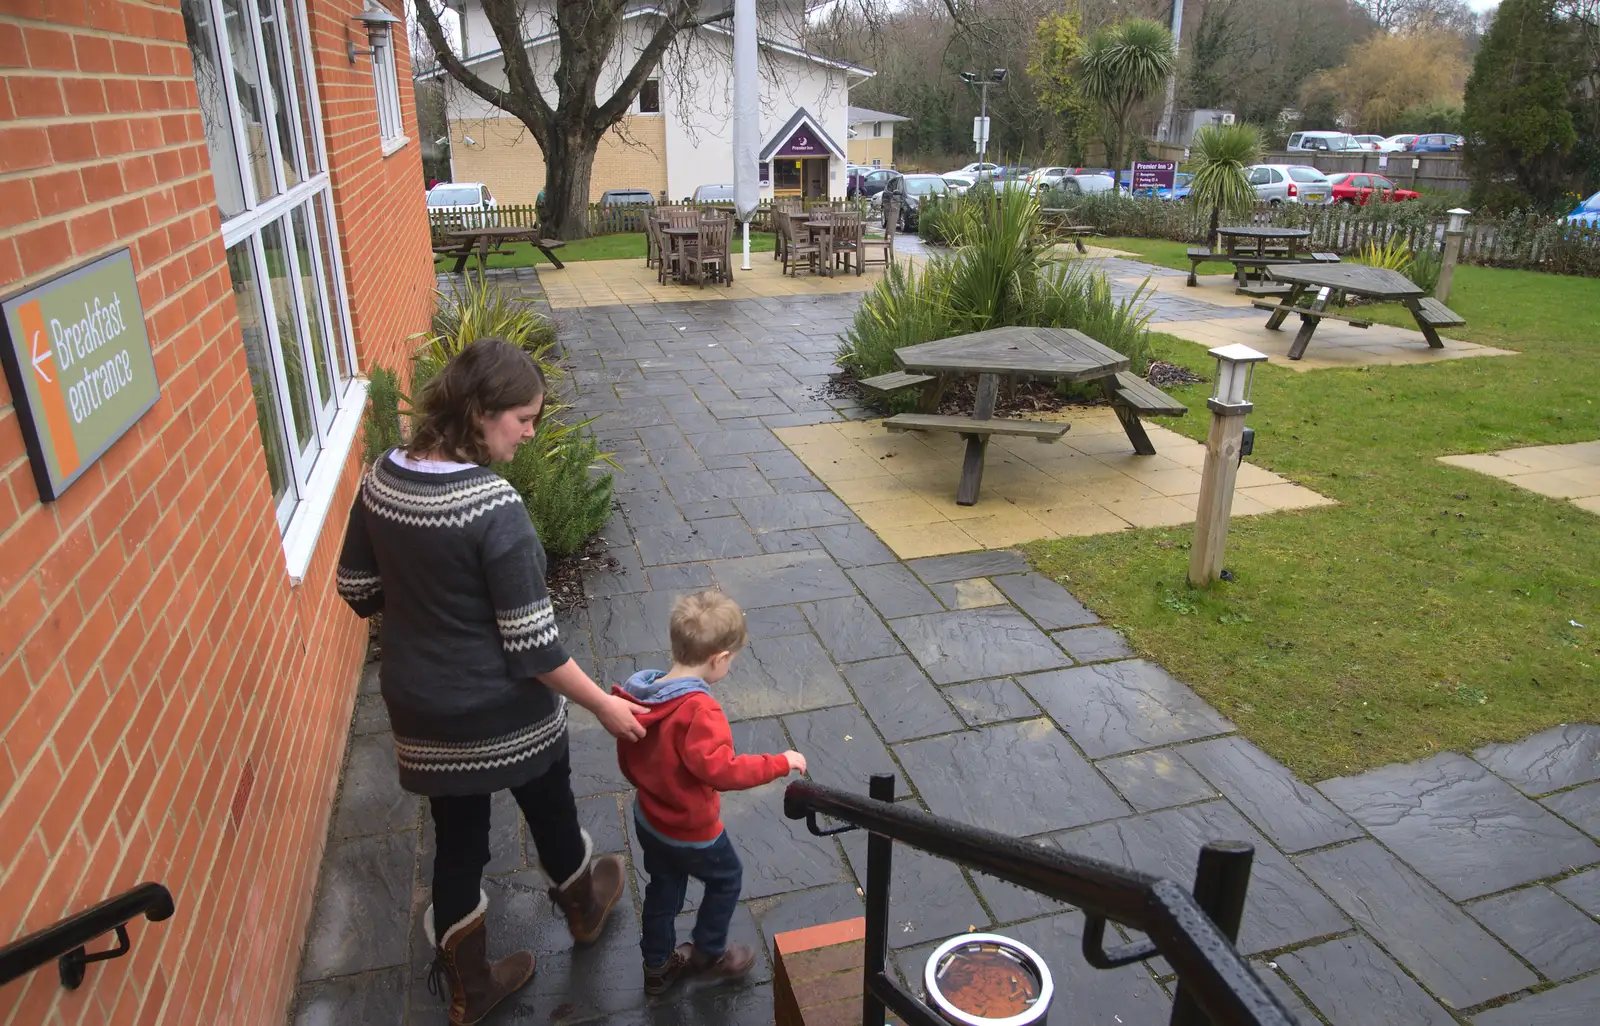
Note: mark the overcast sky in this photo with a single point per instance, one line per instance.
(1483, 5)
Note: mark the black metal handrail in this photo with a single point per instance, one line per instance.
(65, 941)
(1195, 933)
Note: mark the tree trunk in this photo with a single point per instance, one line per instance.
(568, 168)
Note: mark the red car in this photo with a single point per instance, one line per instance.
(1355, 188)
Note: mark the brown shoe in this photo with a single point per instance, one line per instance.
(661, 978)
(732, 964)
(587, 896)
(461, 963)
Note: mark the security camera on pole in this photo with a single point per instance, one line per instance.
(980, 124)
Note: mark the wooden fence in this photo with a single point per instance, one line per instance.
(604, 218)
(1408, 170)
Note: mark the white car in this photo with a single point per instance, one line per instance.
(1322, 142)
(459, 197)
(972, 172)
(1368, 142)
(1396, 143)
(956, 186)
(1290, 183)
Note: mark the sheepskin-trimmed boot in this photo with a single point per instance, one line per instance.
(461, 963)
(587, 896)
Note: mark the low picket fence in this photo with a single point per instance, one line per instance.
(604, 218)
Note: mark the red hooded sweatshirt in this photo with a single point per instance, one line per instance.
(684, 759)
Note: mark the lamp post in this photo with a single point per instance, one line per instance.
(1454, 233)
(1228, 443)
(980, 129)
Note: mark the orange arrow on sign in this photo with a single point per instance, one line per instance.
(64, 447)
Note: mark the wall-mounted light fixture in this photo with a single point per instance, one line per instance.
(377, 22)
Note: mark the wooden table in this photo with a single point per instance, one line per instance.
(1248, 243)
(824, 229)
(1061, 354)
(672, 237)
(1056, 220)
(1334, 281)
(485, 239)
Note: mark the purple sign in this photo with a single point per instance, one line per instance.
(1154, 174)
(803, 144)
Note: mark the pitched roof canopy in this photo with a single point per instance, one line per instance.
(801, 124)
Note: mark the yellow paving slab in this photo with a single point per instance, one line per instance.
(1334, 345)
(903, 485)
(610, 282)
(1570, 471)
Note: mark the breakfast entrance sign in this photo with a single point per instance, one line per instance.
(78, 361)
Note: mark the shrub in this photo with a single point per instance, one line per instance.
(999, 276)
(382, 418)
(568, 502)
(477, 310)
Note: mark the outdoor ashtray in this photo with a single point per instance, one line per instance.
(984, 979)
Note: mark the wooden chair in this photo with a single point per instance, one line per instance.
(795, 248)
(882, 241)
(709, 250)
(781, 211)
(652, 239)
(847, 232)
(671, 262)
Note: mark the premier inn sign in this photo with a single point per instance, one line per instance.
(79, 365)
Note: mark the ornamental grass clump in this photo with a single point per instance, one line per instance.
(1001, 274)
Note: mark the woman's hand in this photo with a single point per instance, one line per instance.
(616, 714)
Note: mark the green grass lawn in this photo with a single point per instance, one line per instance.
(1433, 608)
(1161, 252)
(599, 247)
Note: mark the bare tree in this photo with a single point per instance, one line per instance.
(569, 130)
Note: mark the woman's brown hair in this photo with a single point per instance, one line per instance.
(487, 377)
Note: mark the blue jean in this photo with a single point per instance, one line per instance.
(716, 866)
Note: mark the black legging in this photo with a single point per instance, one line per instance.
(461, 840)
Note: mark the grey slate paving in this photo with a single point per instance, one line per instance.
(969, 644)
(1452, 956)
(780, 675)
(1048, 603)
(1293, 815)
(1571, 1004)
(370, 798)
(1111, 708)
(781, 579)
(892, 589)
(786, 512)
(1467, 831)
(1016, 778)
(1543, 928)
(842, 750)
(1094, 644)
(850, 630)
(991, 701)
(363, 905)
(899, 699)
(1583, 890)
(1579, 806)
(1351, 981)
(1548, 761)
(1154, 780)
(695, 541)
(935, 569)
(928, 897)
(1281, 908)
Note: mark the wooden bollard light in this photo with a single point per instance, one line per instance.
(1229, 402)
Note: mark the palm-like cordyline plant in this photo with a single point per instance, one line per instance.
(1122, 66)
(1218, 155)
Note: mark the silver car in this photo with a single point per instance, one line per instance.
(1290, 183)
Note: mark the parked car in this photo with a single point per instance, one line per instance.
(973, 171)
(874, 182)
(1322, 142)
(1369, 142)
(459, 197)
(956, 186)
(912, 189)
(1087, 184)
(1437, 142)
(713, 194)
(1179, 190)
(1357, 189)
(1588, 213)
(1395, 143)
(1041, 178)
(1290, 183)
(628, 198)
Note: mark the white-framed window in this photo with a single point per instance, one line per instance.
(877, 161)
(258, 104)
(386, 83)
(650, 96)
(877, 129)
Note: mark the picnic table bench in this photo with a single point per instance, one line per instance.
(1056, 220)
(1253, 249)
(462, 242)
(1333, 282)
(1060, 354)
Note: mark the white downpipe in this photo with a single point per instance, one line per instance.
(746, 118)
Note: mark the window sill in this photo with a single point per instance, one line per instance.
(305, 525)
(395, 145)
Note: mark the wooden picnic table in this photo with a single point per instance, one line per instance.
(1062, 354)
(485, 239)
(1247, 246)
(1056, 219)
(1335, 281)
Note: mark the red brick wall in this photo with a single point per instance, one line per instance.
(171, 708)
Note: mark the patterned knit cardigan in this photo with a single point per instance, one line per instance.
(453, 563)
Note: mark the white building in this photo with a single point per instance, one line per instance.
(872, 136)
(679, 134)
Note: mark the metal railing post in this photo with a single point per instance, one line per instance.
(880, 852)
(1221, 879)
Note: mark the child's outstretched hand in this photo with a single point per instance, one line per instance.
(797, 762)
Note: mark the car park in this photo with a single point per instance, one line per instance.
(911, 190)
(1435, 142)
(1322, 142)
(1368, 142)
(1289, 183)
(1396, 143)
(972, 172)
(459, 198)
(874, 182)
(1357, 189)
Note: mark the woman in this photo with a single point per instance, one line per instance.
(474, 676)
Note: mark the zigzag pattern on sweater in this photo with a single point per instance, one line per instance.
(528, 627)
(354, 586)
(472, 756)
(441, 505)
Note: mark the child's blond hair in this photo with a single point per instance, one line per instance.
(704, 624)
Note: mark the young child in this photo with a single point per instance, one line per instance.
(685, 759)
